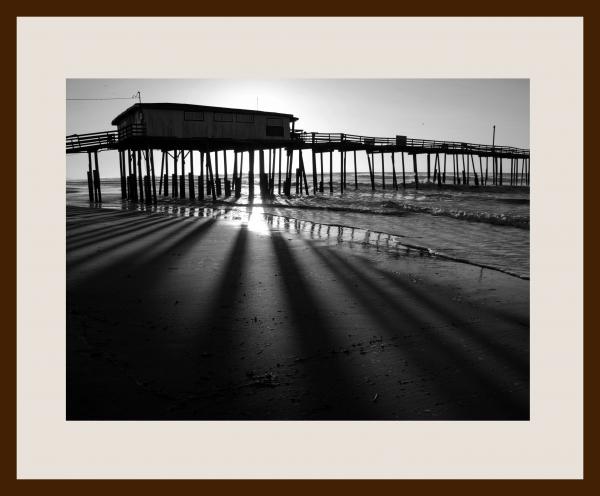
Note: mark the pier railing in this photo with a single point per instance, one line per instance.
(91, 141)
(302, 139)
(132, 131)
(406, 143)
(104, 139)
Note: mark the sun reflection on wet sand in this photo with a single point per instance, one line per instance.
(257, 222)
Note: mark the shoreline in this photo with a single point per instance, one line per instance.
(398, 235)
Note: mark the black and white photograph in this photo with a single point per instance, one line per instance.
(298, 249)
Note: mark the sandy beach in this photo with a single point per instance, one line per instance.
(172, 317)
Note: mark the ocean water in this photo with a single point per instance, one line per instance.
(487, 227)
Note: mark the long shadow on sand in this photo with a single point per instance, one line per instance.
(174, 233)
(110, 233)
(97, 296)
(438, 303)
(213, 347)
(333, 395)
(440, 352)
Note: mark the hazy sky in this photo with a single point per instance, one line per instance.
(445, 109)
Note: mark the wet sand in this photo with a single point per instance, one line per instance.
(197, 318)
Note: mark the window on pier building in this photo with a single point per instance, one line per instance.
(274, 127)
(193, 116)
(223, 117)
(246, 118)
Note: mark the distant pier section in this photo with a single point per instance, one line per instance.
(187, 135)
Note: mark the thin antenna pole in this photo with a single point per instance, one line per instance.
(494, 163)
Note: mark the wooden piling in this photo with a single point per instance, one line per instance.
(154, 198)
(341, 172)
(444, 176)
(191, 183)
(209, 175)
(287, 181)
(512, 171)
(522, 171)
(251, 173)
(331, 171)
(475, 178)
(314, 167)
(217, 179)
(261, 172)
(279, 173)
(175, 180)
(454, 169)
(241, 175)
(303, 172)
(97, 188)
(511, 177)
(225, 178)
(355, 172)
(271, 170)
(394, 178)
(272, 178)
(235, 168)
(428, 169)
(182, 176)
(162, 170)
(343, 163)
(415, 171)
(127, 158)
(371, 171)
(403, 171)
(166, 188)
(174, 186)
(288, 171)
(122, 173)
(90, 178)
(133, 191)
(382, 171)
(481, 171)
(139, 191)
(321, 183)
(201, 177)
(147, 187)
(237, 178)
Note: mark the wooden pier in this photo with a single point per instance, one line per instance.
(448, 162)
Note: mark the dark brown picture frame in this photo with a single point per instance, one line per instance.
(11, 485)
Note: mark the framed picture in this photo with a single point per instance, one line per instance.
(326, 267)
